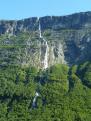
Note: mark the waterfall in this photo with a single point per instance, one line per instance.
(45, 61)
(35, 99)
(40, 31)
(46, 56)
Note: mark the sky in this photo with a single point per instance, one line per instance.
(20, 9)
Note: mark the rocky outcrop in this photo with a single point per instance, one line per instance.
(45, 41)
(74, 21)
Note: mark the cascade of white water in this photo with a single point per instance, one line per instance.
(40, 31)
(45, 61)
(35, 98)
(46, 56)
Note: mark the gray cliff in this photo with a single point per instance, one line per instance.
(45, 41)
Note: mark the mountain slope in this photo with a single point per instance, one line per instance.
(33, 41)
(45, 69)
(58, 94)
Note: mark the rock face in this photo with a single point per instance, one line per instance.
(75, 21)
(45, 41)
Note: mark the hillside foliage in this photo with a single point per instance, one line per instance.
(64, 93)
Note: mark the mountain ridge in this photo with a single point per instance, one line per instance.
(67, 40)
(48, 22)
(85, 12)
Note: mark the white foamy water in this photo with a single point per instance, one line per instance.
(35, 99)
(45, 61)
(39, 27)
(46, 56)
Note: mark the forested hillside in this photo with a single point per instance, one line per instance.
(62, 93)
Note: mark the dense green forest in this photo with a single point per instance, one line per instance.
(64, 93)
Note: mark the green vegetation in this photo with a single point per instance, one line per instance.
(64, 93)
(59, 93)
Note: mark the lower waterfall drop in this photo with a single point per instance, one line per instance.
(35, 99)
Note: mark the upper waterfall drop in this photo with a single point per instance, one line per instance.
(40, 30)
(45, 61)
